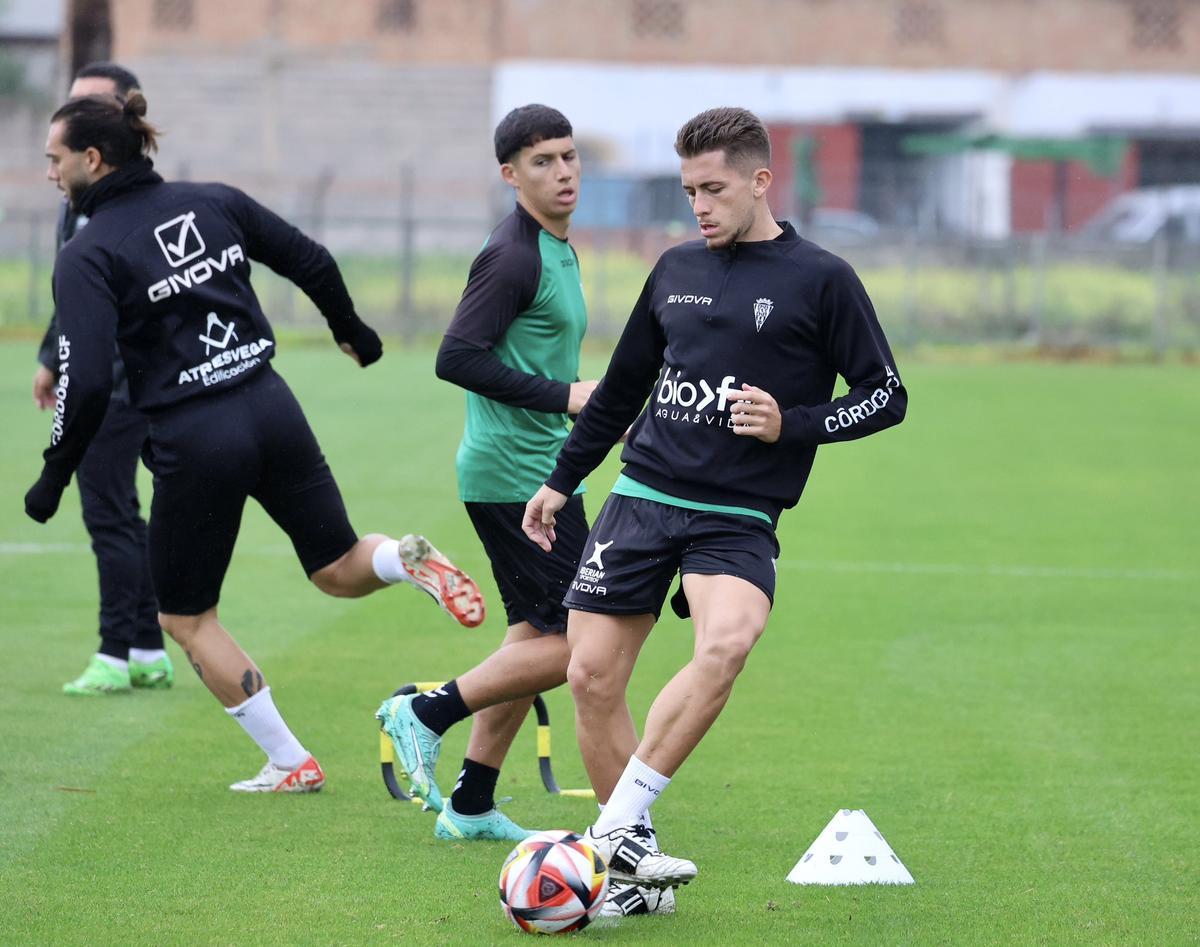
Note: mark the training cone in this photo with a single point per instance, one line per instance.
(850, 851)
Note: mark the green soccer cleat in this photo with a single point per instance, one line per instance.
(97, 679)
(154, 675)
(417, 747)
(492, 825)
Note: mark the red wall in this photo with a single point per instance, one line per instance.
(1086, 192)
(838, 160)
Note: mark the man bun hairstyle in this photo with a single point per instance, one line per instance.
(124, 80)
(737, 132)
(117, 129)
(526, 126)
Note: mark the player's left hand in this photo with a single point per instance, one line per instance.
(756, 414)
(41, 502)
(362, 344)
(538, 522)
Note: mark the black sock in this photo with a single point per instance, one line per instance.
(440, 709)
(114, 648)
(475, 791)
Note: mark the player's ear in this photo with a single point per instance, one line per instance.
(762, 181)
(508, 174)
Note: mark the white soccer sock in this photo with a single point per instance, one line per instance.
(630, 801)
(388, 565)
(146, 655)
(644, 818)
(263, 723)
(113, 662)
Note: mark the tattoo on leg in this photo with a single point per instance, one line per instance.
(252, 682)
(195, 665)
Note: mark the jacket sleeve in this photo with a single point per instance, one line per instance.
(480, 371)
(856, 347)
(86, 313)
(617, 400)
(502, 283)
(48, 349)
(285, 249)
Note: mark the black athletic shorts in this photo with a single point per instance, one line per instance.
(211, 452)
(531, 582)
(637, 546)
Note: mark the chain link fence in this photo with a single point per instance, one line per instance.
(1041, 291)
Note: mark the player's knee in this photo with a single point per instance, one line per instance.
(181, 628)
(332, 580)
(722, 656)
(592, 682)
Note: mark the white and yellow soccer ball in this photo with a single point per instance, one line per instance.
(553, 883)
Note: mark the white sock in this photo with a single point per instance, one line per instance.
(146, 655)
(388, 565)
(113, 662)
(644, 818)
(265, 726)
(630, 801)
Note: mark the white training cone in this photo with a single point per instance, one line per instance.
(850, 851)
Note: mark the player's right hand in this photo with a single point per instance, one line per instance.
(540, 512)
(581, 391)
(43, 388)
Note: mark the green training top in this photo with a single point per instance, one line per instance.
(523, 304)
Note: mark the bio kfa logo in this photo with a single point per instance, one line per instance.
(762, 309)
(185, 250)
(680, 400)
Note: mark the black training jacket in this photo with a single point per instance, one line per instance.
(782, 315)
(164, 270)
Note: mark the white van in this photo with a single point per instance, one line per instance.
(1140, 216)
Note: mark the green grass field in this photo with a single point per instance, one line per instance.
(985, 635)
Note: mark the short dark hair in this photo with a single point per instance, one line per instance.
(117, 129)
(122, 78)
(737, 132)
(526, 126)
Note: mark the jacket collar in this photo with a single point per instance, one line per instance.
(133, 174)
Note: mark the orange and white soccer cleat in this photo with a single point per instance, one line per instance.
(447, 584)
(307, 777)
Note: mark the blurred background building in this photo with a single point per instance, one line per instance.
(969, 155)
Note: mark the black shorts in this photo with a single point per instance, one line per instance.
(211, 452)
(637, 546)
(531, 582)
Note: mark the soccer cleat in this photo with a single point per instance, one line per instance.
(97, 679)
(492, 825)
(454, 590)
(155, 675)
(634, 859)
(628, 900)
(417, 747)
(307, 777)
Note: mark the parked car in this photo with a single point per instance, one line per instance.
(1141, 215)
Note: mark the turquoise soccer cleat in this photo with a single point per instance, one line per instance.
(492, 825)
(417, 747)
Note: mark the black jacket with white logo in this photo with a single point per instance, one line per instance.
(163, 269)
(782, 315)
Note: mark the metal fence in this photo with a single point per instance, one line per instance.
(1041, 291)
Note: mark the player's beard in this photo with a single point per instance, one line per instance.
(720, 243)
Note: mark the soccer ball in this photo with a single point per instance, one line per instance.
(553, 883)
